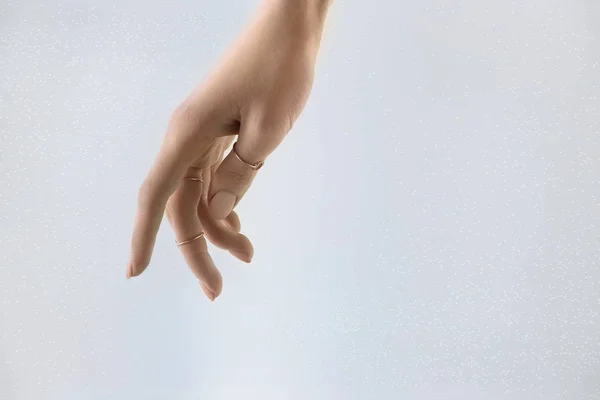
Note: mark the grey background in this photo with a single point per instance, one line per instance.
(429, 230)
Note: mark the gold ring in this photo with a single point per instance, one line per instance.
(255, 167)
(193, 178)
(179, 244)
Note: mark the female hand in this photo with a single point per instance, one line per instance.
(254, 95)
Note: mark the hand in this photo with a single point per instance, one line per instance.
(256, 93)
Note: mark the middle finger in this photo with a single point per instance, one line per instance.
(224, 234)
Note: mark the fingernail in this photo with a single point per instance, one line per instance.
(209, 293)
(222, 204)
(129, 271)
(243, 256)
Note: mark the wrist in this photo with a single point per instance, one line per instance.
(318, 6)
(312, 11)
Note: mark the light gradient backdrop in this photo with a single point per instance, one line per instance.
(429, 230)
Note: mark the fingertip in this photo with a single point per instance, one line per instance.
(135, 269)
(129, 272)
(242, 256)
(233, 221)
(245, 251)
(211, 296)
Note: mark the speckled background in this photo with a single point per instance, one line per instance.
(429, 230)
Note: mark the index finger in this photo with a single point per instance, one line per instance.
(162, 180)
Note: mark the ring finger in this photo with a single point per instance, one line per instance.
(182, 214)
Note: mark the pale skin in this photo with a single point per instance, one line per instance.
(252, 97)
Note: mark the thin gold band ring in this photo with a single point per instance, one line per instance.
(255, 167)
(179, 244)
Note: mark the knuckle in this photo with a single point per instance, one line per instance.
(170, 210)
(187, 128)
(183, 113)
(178, 206)
(190, 114)
(173, 211)
(275, 123)
(236, 177)
(174, 205)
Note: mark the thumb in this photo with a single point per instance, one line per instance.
(235, 174)
(232, 179)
